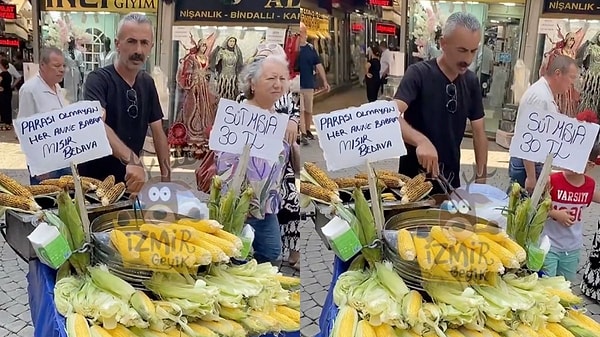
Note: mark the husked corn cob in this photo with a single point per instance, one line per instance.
(411, 307)
(122, 243)
(391, 181)
(526, 331)
(288, 281)
(364, 329)
(222, 327)
(442, 236)
(143, 305)
(406, 246)
(19, 202)
(543, 332)
(232, 313)
(424, 256)
(514, 248)
(567, 298)
(508, 259)
(144, 332)
(585, 320)
(186, 233)
(289, 312)
(54, 182)
(286, 323)
(351, 182)
(158, 232)
(202, 330)
(105, 186)
(471, 333)
(346, 322)
(115, 193)
(320, 176)
(206, 226)
(417, 192)
(415, 181)
(559, 330)
(13, 187)
(98, 331)
(121, 331)
(496, 324)
(234, 239)
(490, 333)
(43, 189)
(384, 330)
(178, 333)
(453, 333)
(77, 326)
(492, 233)
(317, 192)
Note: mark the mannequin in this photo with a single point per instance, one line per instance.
(520, 81)
(74, 71)
(227, 62)
(590, 91)
(107, 56)
(199, 106)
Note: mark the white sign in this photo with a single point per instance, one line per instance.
(539, 133)
(353, 136)
(549, 26)
(276, 35)
(182, 33)
(238, 124)
(397, 65)
(55, 139)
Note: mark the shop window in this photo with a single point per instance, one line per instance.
(93, 52)
(318, 29)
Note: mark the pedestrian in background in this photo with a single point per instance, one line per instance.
(372, 79)
(5, 96)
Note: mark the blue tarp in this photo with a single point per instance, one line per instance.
(46, 320)
(330, 310)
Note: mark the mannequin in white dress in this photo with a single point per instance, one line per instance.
(74, 71)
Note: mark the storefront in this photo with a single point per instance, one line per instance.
(572, 28)
(85, 31)
(500, 45)
(319, 29)
(359, 43)
(387, 32)
(16, 31)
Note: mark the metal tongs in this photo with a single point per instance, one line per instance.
(448, 188)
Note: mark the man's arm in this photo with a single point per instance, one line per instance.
(320, 70)
(26, 104)
(480, 142)
(161, 146)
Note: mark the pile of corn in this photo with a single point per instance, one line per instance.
(103, 304)
(16, 196)
(232, 209)
(447, 252)
(377, 303)
(524, 229)
(317, 185)
(186, 244)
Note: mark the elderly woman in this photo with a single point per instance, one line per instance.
(263, 82)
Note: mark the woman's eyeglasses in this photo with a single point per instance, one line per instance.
(132, 110)
(451, 105)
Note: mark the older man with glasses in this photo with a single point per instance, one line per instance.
(130, 100)
(438, 95)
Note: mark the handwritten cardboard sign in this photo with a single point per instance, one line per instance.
(55, 139)
(353, 136)
(539, 133)
(238, 124)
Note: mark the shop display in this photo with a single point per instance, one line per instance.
(317, 29)
(227, 61)
(590, 90)
(107, 56)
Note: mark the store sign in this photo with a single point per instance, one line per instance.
(388, 3)
(382, 28)
(119, 6)
(8, 12)
(7, 42)
(357, 27)
(572, 7)
(254, 11)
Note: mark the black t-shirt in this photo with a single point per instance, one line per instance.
(424, 90)
(108, 87)
(6, 84)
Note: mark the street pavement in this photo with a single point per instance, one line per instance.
(317, 260)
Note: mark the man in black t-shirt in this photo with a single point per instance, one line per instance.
(129, 98)
(437, 96)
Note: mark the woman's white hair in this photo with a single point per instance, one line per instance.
(461, 19)
(253, 70)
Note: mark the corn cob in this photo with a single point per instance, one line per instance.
(43, 189)
(543, 332)
(558, 330)
(221, 328)
(286, 323)
(514, 248)
(240, 214)
(238, 329)
(384, 330)
(158, 232)
(585, 320)
(199, 238)
(226, 209)
(442, 257)
(417, 192)
(346, 322)
(318, 192)
(121, 331)
(407, 333)
(496, 324)
(453, 333)
(400, 176)
(442, 236)
(180, 333)
(176, 254)
(492, 233)
(77, 326)
(143, 305)
(425, 258)
(69, 182)
(54, 182)
(98, 331)
(266, 319)
(215, 197)
(364, 329)
(465, 237)
(105, 186)
(413, 182)
(388, 197)
(234, 239)
(567, 298)
(366, 220)
(289, 312)
(115, 193)
(93, 182)
(144, 332)
(537, 223)
(288, 281)
(123, 245)
(478, 263)
(351, 182)
(471, 333)
(235, 314)
(19, 202)
(411, 307)
(526, 331)
(391, 181)
(12, 186)
(67, 212)
(206, 226)
(406, 246)
(320, 176)
(508, 259)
